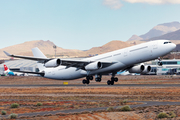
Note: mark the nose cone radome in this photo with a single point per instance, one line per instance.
(173, 46)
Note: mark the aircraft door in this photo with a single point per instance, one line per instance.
(125, 52)
(155, 45)
(151, 49)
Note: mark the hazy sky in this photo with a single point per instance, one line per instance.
(81, 24)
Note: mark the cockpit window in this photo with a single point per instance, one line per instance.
(165, 42)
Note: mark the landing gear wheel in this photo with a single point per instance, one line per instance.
(116, 79)
(87, 81)
(109, 82)
(87, 77)
(98, 79)
(90, 77)
(112, 82)
(84, 81)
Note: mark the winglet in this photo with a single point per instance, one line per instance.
(7, 53)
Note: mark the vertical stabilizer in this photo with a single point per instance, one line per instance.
(5, 68)
(37, 53)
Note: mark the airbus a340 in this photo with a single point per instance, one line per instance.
(112, 62)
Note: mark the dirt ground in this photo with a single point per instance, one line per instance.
(137, 79)
(69, 98)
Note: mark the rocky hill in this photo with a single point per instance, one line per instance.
(111, 46)
(158, 30)
(169, 36)
(45, 46)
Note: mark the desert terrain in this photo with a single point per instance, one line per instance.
(88, 102)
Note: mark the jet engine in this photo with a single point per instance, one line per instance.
(160, 63)
(136, 69)
(146, 69)
(93, 66)
(53, 63)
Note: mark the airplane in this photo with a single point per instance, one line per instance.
(108, 63)
(125, 73)
(11, 73)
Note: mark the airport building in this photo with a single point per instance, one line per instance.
(20, 65)
(169, 67)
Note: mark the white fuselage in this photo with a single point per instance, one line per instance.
(124, 58)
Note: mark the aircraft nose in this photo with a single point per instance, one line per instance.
(173, 46)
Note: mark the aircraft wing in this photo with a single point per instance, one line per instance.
(26, 57)
(81, 63)
(66, 62)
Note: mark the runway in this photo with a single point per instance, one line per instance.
(94, 85)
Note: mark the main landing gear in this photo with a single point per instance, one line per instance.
(98, 79)
(113, 79)
(86, 81)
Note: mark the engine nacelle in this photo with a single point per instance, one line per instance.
(146, 69)
(53, 63)
(136, 69)
(93, 66)
(160, 63)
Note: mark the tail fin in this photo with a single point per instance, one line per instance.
(5, 68)
(37, 53)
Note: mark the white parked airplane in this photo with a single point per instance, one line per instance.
(112, 62)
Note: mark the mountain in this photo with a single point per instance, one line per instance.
(159, 30)
(162, 29)
(135, 37)
(45, 46)
(169, 36)
(111, 46)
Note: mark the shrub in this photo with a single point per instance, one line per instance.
(125, 108)
(14, 105)
(39, 104)
(172, 114)
(162, 115)
(3, 112)
(13, 116)
(110, 109)
(124, 101)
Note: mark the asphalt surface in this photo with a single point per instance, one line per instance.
(146, 103)
(95, 85)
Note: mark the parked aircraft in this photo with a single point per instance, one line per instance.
(112, 62)
(10, 73)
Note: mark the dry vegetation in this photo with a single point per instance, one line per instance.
(69, 98)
